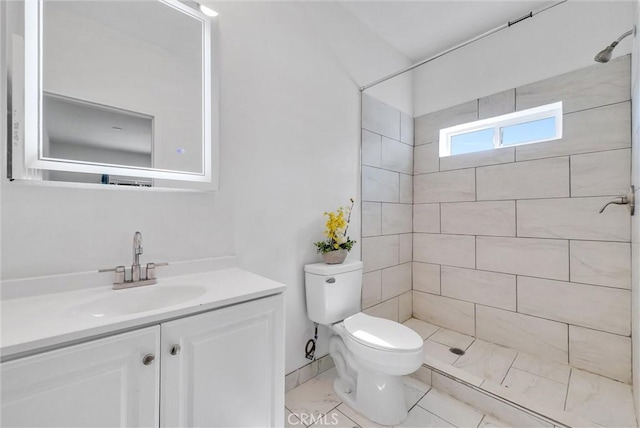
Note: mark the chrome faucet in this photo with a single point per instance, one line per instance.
(136, 278)
(137, 250)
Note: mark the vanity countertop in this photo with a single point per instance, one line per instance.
(37, 323)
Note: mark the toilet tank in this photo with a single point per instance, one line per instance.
(333, 291)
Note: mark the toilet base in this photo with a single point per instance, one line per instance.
(378, 397)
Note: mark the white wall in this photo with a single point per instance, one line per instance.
(562, 39)
(290, 150)
(635, 222)
(291, 141)
(364, 57)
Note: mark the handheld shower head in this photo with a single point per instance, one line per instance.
(604, 55)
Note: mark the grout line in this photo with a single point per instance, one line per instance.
(569, 162)
(526, 237)
(510, 367)
(515, 204)
(569, 258)
(481, 420)
(596, 107)
(517, 294)
(566, 397)
(475, 321)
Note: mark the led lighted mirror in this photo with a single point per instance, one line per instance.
(117, 91)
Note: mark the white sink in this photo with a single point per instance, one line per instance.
(135, 300)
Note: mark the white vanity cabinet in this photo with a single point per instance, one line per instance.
(101, 383)
(221, 368)
(228, 370)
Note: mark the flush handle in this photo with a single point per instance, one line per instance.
(330, 280)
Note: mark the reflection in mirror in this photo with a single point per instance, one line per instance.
(124, 90)
(85, 132)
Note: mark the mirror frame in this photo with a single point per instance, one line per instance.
(33, 105)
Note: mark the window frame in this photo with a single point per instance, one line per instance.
(498, 122)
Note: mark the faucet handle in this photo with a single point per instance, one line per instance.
(151, 269)
(119, 276)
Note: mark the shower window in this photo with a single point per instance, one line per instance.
(529, 126)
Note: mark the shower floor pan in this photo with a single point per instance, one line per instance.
(517, 387)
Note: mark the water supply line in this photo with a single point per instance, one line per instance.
(461, 45)
(310, 347)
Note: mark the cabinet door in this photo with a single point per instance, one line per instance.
(102, 383)
(229, 371)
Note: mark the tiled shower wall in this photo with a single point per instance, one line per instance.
(508, 244)
(387, 168)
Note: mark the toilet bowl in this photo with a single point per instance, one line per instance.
(371, 354)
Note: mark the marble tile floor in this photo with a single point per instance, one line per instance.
(314, 404)
(561, 387)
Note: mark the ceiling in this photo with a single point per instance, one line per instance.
(420, 29)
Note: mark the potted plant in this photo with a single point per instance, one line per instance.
(335, 248)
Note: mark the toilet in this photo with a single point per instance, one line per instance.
(371, 354)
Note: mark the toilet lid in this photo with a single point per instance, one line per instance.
(381, 333)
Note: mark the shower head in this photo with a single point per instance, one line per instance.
(604, 55)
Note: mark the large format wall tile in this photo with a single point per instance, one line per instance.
(546, 178)
(442, 311)
(397, 156)
(497, 104)
(601, 263)
(582, 89)
(371, 218)
(380, 118)
(426, 218)
(452, 250)
(379, 185)
(371, 288)
(603, 128)
(387, 309)
(602, 353)
(396, 218)
(479, 218)
(371, 149)
(486, 157)
(450, 186)
(396, 280)
(426, 277)
(426, 158)
(405, 253)
(602, 308)
(601, 174)
(573, 218)
(406, 189)
(539, 337)
(405, 306)
(546, 258)
(379, 252)
(428, 126)
(487, 288)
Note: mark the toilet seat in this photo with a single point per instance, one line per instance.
(382, 334)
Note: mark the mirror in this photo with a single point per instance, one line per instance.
(117, 92)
